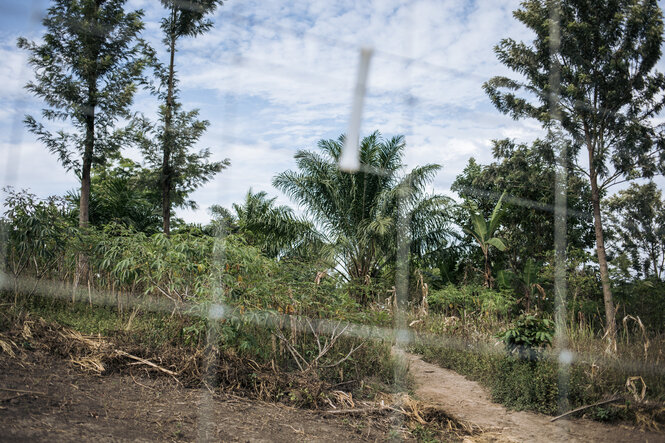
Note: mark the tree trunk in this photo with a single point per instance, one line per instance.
(84, 206)
(167, 174)
(488, 272)
(610, 321)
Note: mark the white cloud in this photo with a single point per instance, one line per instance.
(273, 77)
(28, 165)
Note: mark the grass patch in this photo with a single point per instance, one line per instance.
(534, 384)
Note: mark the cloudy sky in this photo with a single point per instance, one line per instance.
(274, 76)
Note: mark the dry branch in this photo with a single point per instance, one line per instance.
(582, 408)
(145, 362)
(324, 348)
(357, 411)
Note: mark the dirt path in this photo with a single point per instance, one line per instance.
(467, 401)
(45, 398)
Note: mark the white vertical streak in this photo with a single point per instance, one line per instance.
(350, 161)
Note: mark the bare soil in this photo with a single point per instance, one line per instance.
(467, 401)
(45, 398)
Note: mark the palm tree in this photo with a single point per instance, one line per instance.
(483, 232)
(356, 214)
(276, 230)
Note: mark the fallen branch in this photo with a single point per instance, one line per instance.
(353, 349)
(146, 362)
(355, 411)
(582, 408)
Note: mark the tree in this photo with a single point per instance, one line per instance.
(590, 72)
(187, 170)
(86, 71)
(185, 18)
(274, 229)
(637, 217)
(122, 192)
(526, 173)
(356, 214)
(483, 232)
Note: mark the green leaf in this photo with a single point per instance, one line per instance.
(497, 243)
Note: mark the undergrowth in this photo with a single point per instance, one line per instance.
(523, 381)
(247, 357)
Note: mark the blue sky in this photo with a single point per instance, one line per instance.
(273, 77)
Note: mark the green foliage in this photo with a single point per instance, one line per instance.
(276, 230)
(360, 215)
(36, 234)
(637, 217)
(529, 336)
(187, 18)
(86, 71)
(156, 265)
(602, 56)
(584, 295)
(188, 170)
(167, 145)
(528, 283)
(121, 193)
(525, 385)
(526, 173)
(471, 300)
(644, 299)
(483, 233)
(608, 86)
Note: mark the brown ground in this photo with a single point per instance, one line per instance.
(45, 398)
(467, 401)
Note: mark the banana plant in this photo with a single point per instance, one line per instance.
(527, 281)
(483, 232)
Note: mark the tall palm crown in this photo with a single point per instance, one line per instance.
(357, 213)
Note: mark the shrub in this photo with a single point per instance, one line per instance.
(526, 384)
(529, 336)
(468, 300)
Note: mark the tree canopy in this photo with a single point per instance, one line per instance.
(276, 230)
(357, 213)
(591, 71)
(637, 216)
(526, 173)
(86, 70)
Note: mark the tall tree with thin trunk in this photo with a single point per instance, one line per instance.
(184, 18)
(609, 92)
(188, 169)
(86, 71)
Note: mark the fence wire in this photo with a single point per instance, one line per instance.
(400, 333)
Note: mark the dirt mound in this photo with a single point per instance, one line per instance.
(190, 367)
(61, 382)
(46, 398)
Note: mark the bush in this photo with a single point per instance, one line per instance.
(529, 336)
(469, 300)
(526, 384)
(262, 295)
